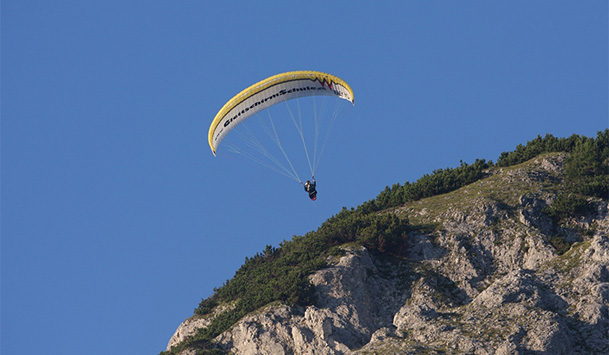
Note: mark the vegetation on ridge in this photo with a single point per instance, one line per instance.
(587, 170)
(279, 274)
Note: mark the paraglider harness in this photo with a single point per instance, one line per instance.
(310, 188)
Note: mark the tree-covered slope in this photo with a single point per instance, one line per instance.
(385, 224)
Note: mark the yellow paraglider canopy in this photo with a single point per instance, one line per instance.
(270, 91)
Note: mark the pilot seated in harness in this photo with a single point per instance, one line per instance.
(310, 188)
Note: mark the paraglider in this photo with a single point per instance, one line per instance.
(259, 98)
(310, 188)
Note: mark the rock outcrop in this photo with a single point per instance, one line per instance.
(482, 277)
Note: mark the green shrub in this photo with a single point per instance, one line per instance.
(568, 205)
(587, 167)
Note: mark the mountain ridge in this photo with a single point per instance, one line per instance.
(509, 246)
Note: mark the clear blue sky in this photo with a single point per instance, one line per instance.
(116, 217)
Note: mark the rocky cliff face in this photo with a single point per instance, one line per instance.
(481, 277)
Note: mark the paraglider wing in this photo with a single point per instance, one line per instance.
(271, 91)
